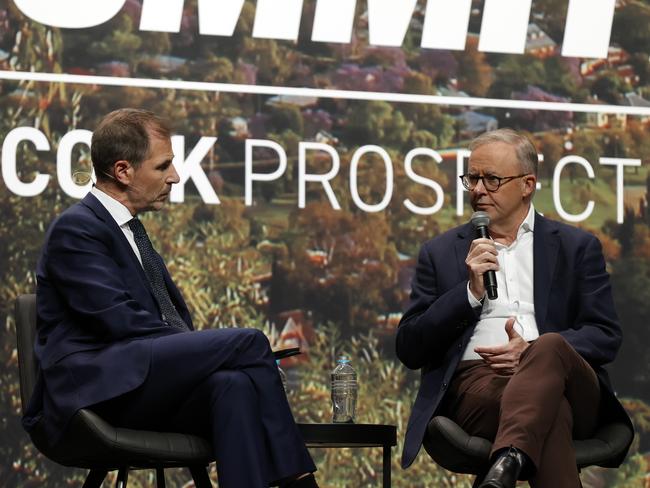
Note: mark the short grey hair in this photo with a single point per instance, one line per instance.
(524, 148)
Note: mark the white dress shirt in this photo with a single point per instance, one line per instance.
(120, 214)
(515, 294)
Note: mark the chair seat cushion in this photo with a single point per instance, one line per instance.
(92, 443)
(455, 450)
(604, 447)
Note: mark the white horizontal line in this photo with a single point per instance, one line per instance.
(322, 93)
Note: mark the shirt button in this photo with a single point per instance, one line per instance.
(444, 386)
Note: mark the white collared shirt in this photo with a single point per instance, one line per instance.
(120, 214)
(515, 294)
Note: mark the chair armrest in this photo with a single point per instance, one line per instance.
(285, 353)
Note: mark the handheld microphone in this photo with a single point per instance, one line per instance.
(480, 221)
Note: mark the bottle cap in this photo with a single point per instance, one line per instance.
(343, 359)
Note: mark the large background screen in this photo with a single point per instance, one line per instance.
(319, 144)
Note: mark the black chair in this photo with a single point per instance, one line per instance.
(92, 443)
(455, 450)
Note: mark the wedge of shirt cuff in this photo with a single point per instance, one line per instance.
(474, 303)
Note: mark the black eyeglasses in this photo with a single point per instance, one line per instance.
(490, 182)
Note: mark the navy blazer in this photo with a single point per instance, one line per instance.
(572, 296)
(96, 316)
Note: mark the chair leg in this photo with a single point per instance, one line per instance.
(95, 478)
(160, 478)
(122, 478)
(200, 477)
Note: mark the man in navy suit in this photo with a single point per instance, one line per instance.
(525, 369)
(115, 335)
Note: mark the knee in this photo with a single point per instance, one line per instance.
(549, 342)
(258, 343)
(253, 346)
(245, 339)
(255, 336)
(550, 348)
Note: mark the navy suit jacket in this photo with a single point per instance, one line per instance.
(96, 316)
(572, 297)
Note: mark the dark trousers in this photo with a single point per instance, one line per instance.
(552, 397)
(221, 384)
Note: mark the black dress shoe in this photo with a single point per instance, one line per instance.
(505, 470)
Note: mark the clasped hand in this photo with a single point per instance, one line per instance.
(505, 359)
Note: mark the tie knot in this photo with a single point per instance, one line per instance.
(136, 227)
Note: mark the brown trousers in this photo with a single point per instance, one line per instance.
(552, 397)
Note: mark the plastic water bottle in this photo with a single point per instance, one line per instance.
(283, 376)
(344, 391)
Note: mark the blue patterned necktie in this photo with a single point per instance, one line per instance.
(153, 269)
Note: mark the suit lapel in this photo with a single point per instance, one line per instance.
(545, 248)
(464, 240)
(102, 214)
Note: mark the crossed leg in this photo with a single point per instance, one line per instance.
(222, 384)
(552, 397)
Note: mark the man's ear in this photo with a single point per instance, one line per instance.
(123, 171)
(530, 185)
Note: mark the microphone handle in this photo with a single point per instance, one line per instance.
(489, 277)
(490, 282)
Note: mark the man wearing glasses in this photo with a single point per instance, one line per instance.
(524, 369)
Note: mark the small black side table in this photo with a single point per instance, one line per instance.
(353, 435)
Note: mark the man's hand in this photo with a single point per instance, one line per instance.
(482, 256)
(505, 359)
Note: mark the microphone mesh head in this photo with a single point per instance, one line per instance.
(480, 219)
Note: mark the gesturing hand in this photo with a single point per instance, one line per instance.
(482, 256)
(504, 359)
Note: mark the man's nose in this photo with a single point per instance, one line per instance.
(173, 177)
(479, 188)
